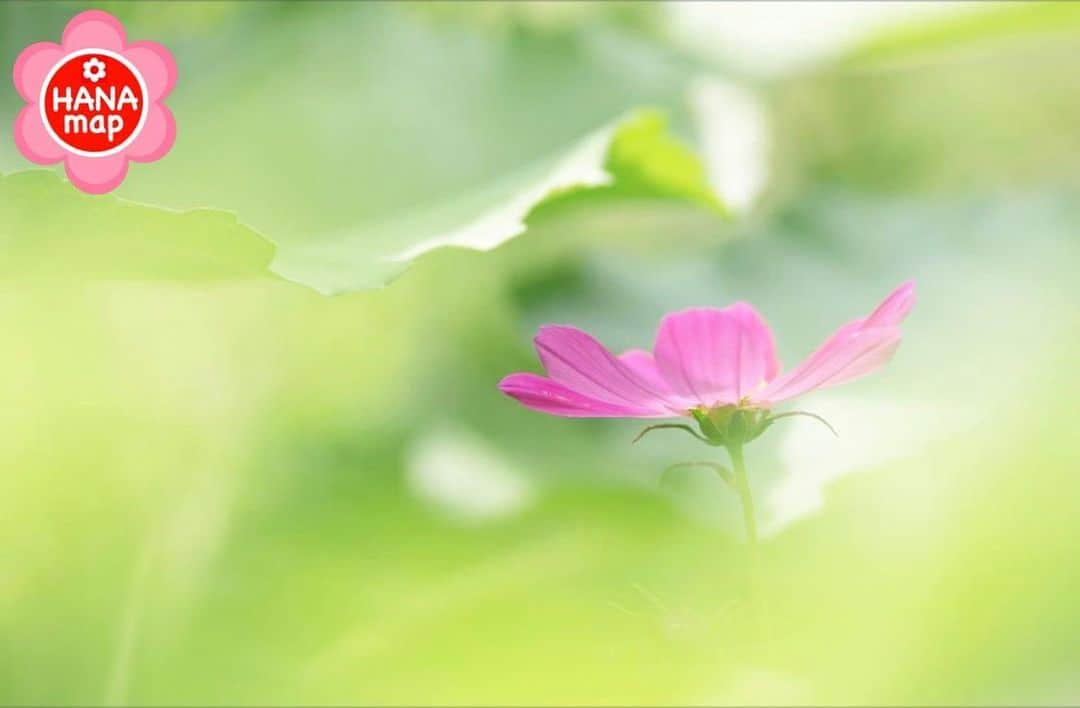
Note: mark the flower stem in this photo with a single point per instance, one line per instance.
(742, 486)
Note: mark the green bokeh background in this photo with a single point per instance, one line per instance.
(221, 487)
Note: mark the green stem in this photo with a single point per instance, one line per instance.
(742, 486)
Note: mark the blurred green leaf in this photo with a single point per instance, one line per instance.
(287, 117)
(953, 122)
(968, 27)
(48, 229)
(646, 162)
(632, 159)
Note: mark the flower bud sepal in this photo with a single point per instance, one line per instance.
(725, 426)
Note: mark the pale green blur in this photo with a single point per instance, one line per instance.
(234, 490)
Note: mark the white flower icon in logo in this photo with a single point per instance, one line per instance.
(93, 69)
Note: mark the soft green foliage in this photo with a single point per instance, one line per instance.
(970, 30)
(49, 230)
(645, 162)
(344, 170)
(984, 87)
(631, 160)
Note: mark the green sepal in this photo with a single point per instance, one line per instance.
(731, 425)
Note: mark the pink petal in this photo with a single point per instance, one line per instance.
(869, 360)
(856, 349)
(93, 29)
(32, 139)
(715, 356)
(96, 175)
(579, 362)
(851, 352)
(156, 65)
(31, 67)
(542, 394)
(157, 136)
(643, 364)
(894, 308)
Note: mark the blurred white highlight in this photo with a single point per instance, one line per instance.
(778, 37)
(759, 686)
(462, 477)
(872, 433)
(734, 131)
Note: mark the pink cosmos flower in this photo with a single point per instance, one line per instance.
(95, 30)
(704, 360)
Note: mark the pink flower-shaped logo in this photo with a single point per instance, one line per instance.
(95, 102)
